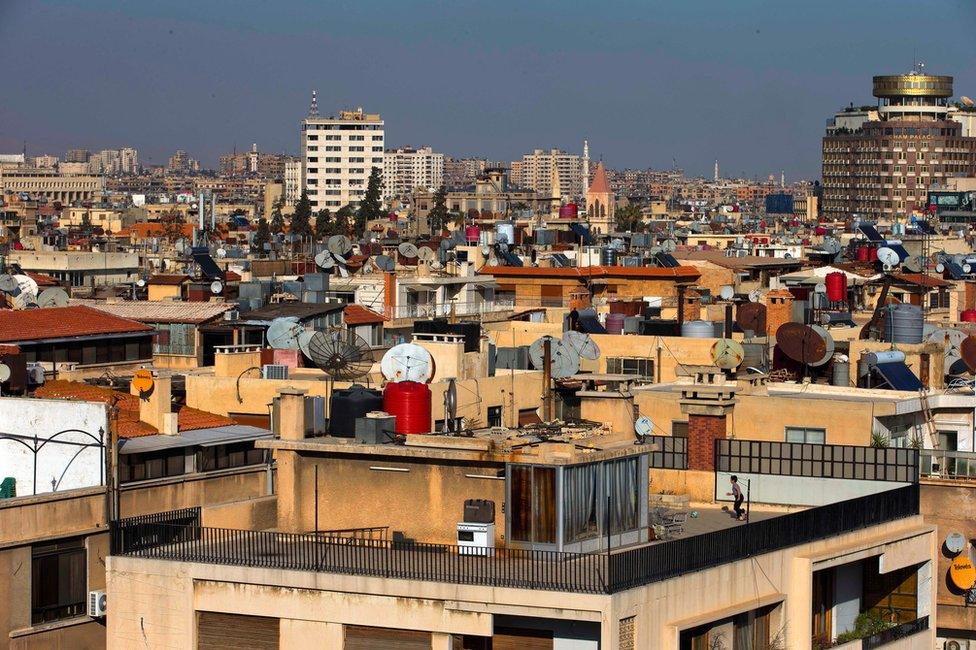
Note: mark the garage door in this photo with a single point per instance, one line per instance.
(379, 638)
(511, 638)
(217, 631)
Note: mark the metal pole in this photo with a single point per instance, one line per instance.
(316, 500)
(547, 380)
(748, 497)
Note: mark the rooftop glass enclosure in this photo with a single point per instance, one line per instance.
(577, 508)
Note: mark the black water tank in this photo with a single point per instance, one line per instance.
(348, 404)
(654, 327)
(432, 326)
(471, 332)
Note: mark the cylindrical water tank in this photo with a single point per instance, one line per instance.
(615, 323)
(754, 356)
(836, 286)
(886, 356)
(569, 211)
(472, 233)
(409, 401)
(820, 231)
(968, 316)
(862, 254)
(842, 373)
(346, 405)
(873, 254)
(904, 324)
(698, 329)
(627, 307)
(505, 232)
(608, 256)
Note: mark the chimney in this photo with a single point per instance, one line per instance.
(389, 294)
(707, 403)
(779, 310)
(291, 413)
(156, 406)
(690, 306)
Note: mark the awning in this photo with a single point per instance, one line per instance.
(419, 288)
(198, 438)
(528, 416)
(487, 284)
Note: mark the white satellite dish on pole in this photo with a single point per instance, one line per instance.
(726, 292)
(216, 287)
(643, 426)
(889, 259)
(407, 362)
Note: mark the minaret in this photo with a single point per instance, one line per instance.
(313, 110)
(586, 167)
(782, 178)
(716, 171)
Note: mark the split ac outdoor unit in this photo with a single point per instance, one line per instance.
(96, 604)
(274, 371)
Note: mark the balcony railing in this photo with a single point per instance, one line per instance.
(179, 536)
(895, 633)
(441, 309)
(956, 465)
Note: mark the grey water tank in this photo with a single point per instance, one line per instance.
(842, 374)
(608, 256)
(904, 324)
(754, 355)
(698, 329)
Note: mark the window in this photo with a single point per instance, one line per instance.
(59, 581)
(805, 434)
(494, 416)
(679, 429)
(151, 465)
(579, 503)
(238, 454)
(175, 338)
(533, 504)
(635, 366)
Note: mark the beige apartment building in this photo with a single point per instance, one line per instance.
(535, 172)
(52, 185)
(407, 169)
(338, 156)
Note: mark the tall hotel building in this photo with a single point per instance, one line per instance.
(879, 162)
(338, 155)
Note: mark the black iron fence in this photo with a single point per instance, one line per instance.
(819, 461)
(894, 633)
(656, 562)
(672, 454)
(179, 536)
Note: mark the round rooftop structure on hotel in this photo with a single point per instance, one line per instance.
(890, 86)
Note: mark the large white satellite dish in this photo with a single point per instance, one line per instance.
(324, 260)
(283, 333)
(643, 426)
(888, 257)
(53, 297)
(583, 344)
(563, 360)
(407, 362)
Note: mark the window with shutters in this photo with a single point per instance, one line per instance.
(59, 581)
(217, 631)
(635, 366)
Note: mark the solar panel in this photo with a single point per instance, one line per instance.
(561, 260)
(209, 268)
(902, 253)
(898, 376)
(582, 231)
(955, 271)
(667, 260)
(590, 325)
(869, 231)
(510, 258)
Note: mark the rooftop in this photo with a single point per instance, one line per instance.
(77, 321)
(359, 315)
(146, 311)
(688, 273)
(300, 310)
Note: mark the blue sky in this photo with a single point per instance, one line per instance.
(748, 82)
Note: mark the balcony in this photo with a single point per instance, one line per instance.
(434, 310)
(178, 536)
(950, 465)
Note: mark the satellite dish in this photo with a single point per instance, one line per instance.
(339, 245)
(755, 295)
(828, 345)
(450, 406)
(142, 381)
(669, 246)
(751, 316)
(216, 287)
(53, 297)
(726, 292)
(425, 254)
(820, 288)
(384, 263)
(727, 354)
(140, 283)
(582, 344)
(407, 249)
(283, 333)
(967, 268)
(8, 284)
(955, 543)
(912, 265)
(486, 251)
(340, 354)
(4, 372)
(221, 253)
(26, 284)
(564, 361)
(303, 341)
(967, 351)
(643, 426)
(801, 343)
(940, 268)
(888, 257)
(324, 260)
(966, 101)
(407, 362)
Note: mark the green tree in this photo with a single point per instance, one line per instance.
(630, 219)
(261, 236)
(324, 225)
(277, 220)
(370, 207)
(456, 218)
(343, 219)
(437, 217)
(301, 217)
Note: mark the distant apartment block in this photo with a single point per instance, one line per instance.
(338, 155)
(460, 172)
(534, 171)
(407, 169)
(51, 185)
(77, 155)
(293, 180)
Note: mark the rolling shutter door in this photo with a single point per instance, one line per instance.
(379, 638)
(509, 638)
(216, 631)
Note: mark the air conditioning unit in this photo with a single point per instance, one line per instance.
(956, 644)
(96, 604)
(232, 314)
(274, 371)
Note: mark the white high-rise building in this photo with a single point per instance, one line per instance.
(407, 169)
(535, 171)
(338, 155)
(129, 158)
(293, 181)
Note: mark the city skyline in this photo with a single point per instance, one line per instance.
(647, 86)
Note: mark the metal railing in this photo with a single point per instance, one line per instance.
(443, 309)
(672, 452)
(378, 533)
(179, 536)
(892, 634)
(815, 460)
(956, 465)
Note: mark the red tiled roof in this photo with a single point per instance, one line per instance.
(162, 278)
(359, 315)
(589, 272)
(42, 279)
(129, 424)
(599, 184)
(62, 322)
(920, 279)
(145, 229)
(231, 276)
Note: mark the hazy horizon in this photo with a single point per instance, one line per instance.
(749, 83)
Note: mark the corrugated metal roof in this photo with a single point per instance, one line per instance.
(197, 438)
(166, 311)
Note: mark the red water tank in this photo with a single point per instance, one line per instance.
(409, 401)
(392, 216)
(836, 286)
(862, 254)
(968, 316)
(873, 254)
(820, 231)
(762, 224)
(472, 233)
(568, 211)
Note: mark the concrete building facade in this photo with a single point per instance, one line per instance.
(407, 169)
